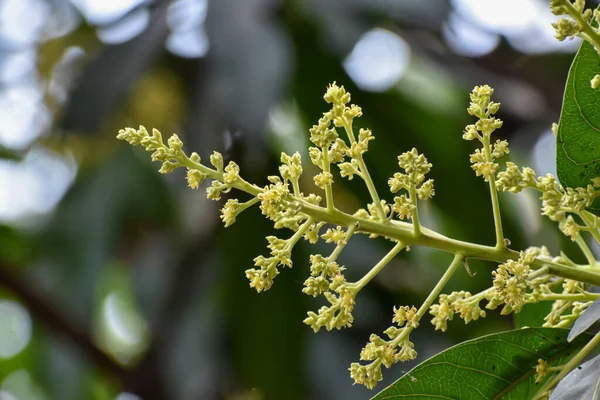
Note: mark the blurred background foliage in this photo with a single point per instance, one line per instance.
(119, 283)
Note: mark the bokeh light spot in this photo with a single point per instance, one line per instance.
(22, 386)
(35, 185)
(123, 322)
(130, 26)
(528, 30)
(186, 19)
(104, 11)
(378, 60)
(467, 39)
(126, 396)
(544, 154)
(15, 328)
(188, 44)
(4, 395)
(14, 34)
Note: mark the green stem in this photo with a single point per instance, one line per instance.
(299, 233)
(456, 263)
(568, 367)
(568, 261)
(567, 320)
(404, 232)
(537, 273)
(569, 296)
(589, 33)
(338, 249)
(415, 215)
(365, 175)
(247, 204)
(296, 187)
(590, 222)
(357, 286)
(591, 219)
(585, 249)
(494, 195)
(328, 188)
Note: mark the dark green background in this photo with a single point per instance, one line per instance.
(123, 228)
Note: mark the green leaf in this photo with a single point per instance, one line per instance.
(532, 315)
(578, 137)
(587, 319)
(496, 366)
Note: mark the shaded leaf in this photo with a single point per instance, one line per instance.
(489, 367)
(578, 138)
(581, 383)
(587, 319)
(533, 314)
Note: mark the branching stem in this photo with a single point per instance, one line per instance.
(494, 195)
(357, 286)
(570, 296)
(328, 188)
(456, 263)
(365, 175)
(568, 367)
(338, 249)
(404, 232)
(585, 249)
(415, 213)
(588, 33)
(590, 221)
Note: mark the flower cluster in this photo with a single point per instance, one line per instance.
(415, 168)
(274, 204)
(463, 303)
(387, 352)
(370, 213)
(510, 284)
(557, 317)
(541, 370)
(231, 174)
(482, 107)
(514, 285)
(567, 27)
(355, 152)
(323, 273)
(526, 279)
(557, 202)
(582, 23)
(281, 250)
(338, 314)
(326, 278)
(331, 149)
(170, 156)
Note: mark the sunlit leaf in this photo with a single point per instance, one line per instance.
(489, 367)
(578, 138)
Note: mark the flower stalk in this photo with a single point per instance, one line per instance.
(519, 277)
(568, 367)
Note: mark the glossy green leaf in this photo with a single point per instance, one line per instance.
(532, 315)
(578, 138)
(496, 366)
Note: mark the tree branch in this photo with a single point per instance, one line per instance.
(49, 315)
